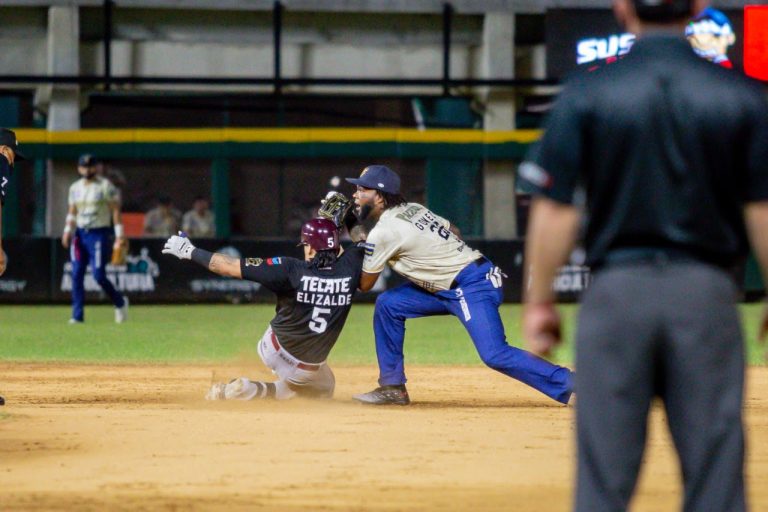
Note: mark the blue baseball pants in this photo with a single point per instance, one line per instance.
(475, 302)
(94, 247)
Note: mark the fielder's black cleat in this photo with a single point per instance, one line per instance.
(385, 395)
(2, 401)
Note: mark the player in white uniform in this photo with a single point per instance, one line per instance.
(94, 205)
(447, 277)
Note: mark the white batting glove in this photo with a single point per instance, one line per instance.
(179, 246)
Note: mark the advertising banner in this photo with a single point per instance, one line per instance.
(39, 271)
(586, 38)
(150, 276)
(27, 277)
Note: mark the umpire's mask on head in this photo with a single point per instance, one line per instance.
(320, 234)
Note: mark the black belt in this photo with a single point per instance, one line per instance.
(658, 255)
(479, 261)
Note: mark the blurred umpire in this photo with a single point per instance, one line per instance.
(670, 152)
(10, 153)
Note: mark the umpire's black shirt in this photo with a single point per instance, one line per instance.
(667, 146)
(6, 171)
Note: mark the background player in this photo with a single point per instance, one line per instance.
(314, 297)
(94, 205)
(447, 277)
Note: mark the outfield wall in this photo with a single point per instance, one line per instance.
(38, 271)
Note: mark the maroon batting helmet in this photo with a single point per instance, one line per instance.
(320, 234)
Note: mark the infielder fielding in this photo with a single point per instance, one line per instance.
(314, 297)
(447, 277)
(94, 204)
(672, 153)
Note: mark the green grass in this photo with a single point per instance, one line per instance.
(197, 333)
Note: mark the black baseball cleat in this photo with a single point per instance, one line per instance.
(2, 401)
(385, 395)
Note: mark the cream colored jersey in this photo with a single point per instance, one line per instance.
(92, 199)
(418, 245)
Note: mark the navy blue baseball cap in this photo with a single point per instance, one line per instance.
(8, 138)
(379, 177)
(87, 160)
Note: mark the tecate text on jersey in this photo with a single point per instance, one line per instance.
(319, 284)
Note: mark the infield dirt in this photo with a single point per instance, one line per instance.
(127, 437)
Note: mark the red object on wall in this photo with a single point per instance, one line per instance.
(756, 41)
(133, 224)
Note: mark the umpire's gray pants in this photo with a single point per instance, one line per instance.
(669, 329)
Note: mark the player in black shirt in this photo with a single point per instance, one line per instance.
(9, 152)
(314, 296)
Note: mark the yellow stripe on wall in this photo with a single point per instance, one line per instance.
(273, 135)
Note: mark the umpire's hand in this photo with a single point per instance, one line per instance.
(3, 261)
(541, 328)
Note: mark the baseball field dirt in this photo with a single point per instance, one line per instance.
(131, 437)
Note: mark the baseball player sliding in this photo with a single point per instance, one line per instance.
(447, 277)
(314, 296)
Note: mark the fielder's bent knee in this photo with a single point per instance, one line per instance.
(386, 302)
(493, 359)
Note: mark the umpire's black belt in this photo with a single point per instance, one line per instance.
(479, 261)
(657, 255)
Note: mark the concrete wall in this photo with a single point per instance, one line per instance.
(314, 45)
(23, 40)
(341, 39)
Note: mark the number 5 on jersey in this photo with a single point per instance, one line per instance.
(319, 324)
